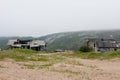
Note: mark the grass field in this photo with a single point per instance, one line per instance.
(68, 65)
(49, 59)
(30, 55)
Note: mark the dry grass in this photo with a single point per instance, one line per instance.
(30, 65)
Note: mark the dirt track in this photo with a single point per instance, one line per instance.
(85, 70)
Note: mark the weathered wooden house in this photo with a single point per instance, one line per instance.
(27, 44)
(102, 45)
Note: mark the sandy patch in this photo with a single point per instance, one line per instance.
(85, 70)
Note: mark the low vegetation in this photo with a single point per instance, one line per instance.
(30, 55)
(94, 55)
(65, 63)
(25, 55)
(68, 71)
(45, 60)
(17, 54)
(85, 49)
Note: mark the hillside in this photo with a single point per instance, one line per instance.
(68, 40)
(73, 40)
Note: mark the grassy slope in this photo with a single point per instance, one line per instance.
(45, 60)
(30, 55)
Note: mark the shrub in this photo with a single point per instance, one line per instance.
(85, 49)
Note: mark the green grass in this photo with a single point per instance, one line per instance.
(26, 51)
(29, 66)
(30, 55)
(17, 54)
(94, 55)
(46, 60)
(67, 71)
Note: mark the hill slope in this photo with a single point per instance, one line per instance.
(73, 40)
(68, 40)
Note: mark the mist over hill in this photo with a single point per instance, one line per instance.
(68, 40)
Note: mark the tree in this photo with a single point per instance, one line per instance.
(85, 49)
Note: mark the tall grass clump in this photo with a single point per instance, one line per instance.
(94, 55)
(26, 51)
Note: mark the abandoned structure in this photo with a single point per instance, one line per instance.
(102, 45)
(27, 44)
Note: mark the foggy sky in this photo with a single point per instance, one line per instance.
(42, 17)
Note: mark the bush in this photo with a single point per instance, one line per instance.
(85, 49)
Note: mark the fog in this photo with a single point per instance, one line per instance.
(42, 17)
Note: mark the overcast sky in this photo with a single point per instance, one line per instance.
(42, 17)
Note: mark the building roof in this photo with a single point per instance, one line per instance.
(36, 43)
(102, 44)
(11, 42)
(23, 41)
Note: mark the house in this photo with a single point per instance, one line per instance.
(27, 44)
(38, 45)
(102, 45)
